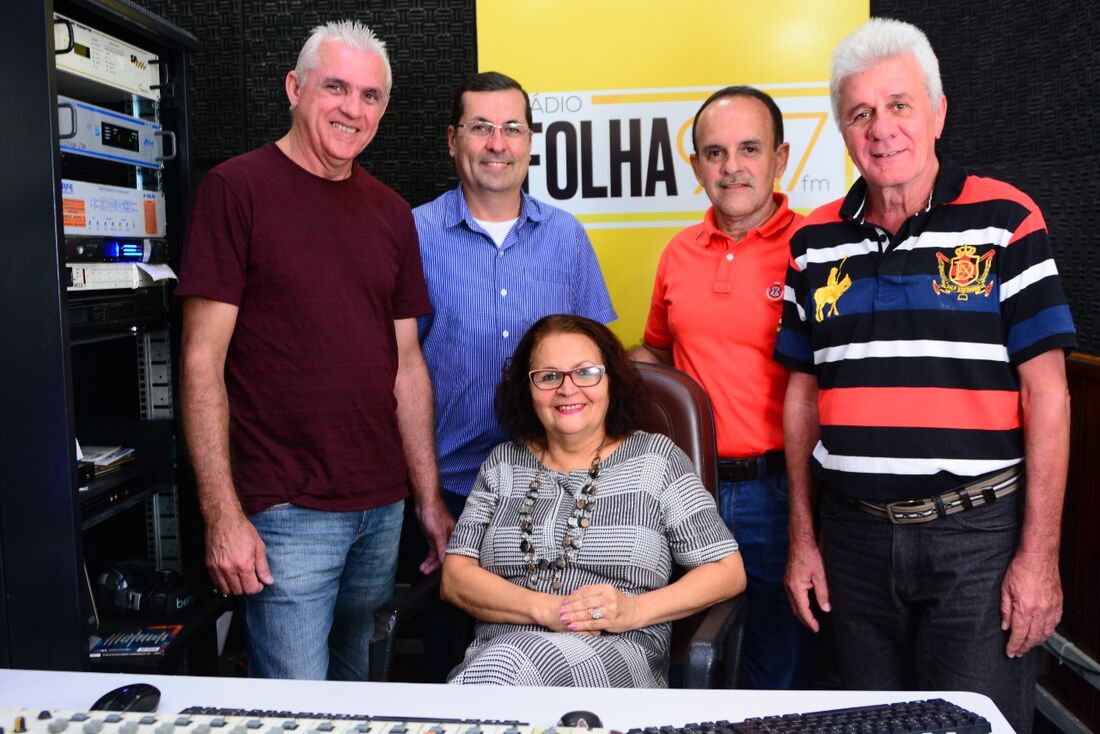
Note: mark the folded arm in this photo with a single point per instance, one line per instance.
(490, 598)
(698, 589)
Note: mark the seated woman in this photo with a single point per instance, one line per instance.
(565, 549)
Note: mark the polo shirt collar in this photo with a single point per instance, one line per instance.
(948, 186)
(777, 222)
(458, 211)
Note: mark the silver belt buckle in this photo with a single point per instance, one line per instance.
(910, 511)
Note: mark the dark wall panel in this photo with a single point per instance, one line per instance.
(1080, 562)
(248, 46)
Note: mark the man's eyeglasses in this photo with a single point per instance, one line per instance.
(582, 377)
(484, 129)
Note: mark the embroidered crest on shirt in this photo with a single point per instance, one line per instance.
(775, 291)
(964, 275)
(830, 293)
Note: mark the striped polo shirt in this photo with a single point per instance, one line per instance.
(484, 298)
(915, 338)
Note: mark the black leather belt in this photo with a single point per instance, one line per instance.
(982, 492)
(745, 470)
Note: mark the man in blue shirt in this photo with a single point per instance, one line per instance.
(496, 260)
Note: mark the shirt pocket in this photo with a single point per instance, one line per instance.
(547, 291)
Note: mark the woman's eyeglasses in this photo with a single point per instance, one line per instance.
(589, 376)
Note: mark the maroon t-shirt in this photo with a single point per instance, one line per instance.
(319, 270)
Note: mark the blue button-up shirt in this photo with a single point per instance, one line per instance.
(484, 299)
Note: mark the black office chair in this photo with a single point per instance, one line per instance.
(677, 407)
(390, 619)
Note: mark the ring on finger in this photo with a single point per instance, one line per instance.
(596, 613)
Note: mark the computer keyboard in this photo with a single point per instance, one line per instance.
(238, 721)
(302, 715)
(931, 716)
(934, 716)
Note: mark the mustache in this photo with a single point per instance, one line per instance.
(736, 181)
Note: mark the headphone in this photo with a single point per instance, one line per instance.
(134, 585)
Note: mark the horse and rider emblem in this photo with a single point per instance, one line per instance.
(830, 293)
(964, 274)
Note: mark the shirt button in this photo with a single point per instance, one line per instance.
(503, 291)
(504, 333)
(729, 255)
(500, 253)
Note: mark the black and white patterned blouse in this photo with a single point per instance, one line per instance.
(651, 511)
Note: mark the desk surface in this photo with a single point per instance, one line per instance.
(618, 708)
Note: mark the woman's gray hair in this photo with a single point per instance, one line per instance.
(352, 34)
(877, 40)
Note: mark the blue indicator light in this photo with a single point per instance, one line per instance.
(121, 251)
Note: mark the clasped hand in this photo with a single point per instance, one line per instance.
(598, 608)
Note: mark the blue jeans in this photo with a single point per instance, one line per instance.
(917, 607)
(332, 570)
(777, 647)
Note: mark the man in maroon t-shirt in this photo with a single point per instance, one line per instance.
(307, 403)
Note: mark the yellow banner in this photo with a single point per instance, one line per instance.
(614, 87)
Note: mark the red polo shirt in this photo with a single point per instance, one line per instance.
(716, 304)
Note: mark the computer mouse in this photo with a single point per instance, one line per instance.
(131, 697)
(580, 720)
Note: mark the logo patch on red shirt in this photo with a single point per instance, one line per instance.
(964, 274)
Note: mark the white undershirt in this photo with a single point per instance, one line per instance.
(497, 230)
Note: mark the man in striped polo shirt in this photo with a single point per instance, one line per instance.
(496, 260)
(925, 328)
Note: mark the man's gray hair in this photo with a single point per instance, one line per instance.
(352, 34)
(877, 40)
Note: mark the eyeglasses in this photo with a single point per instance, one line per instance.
(553, 379)
(484, 129)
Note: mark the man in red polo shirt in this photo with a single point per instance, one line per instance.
(723, 335)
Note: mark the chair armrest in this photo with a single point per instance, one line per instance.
(717, 640)
(391, 617)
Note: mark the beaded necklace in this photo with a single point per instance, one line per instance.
(573, 536)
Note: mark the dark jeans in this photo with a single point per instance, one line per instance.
(777, 647)
(448, 630)
(917, 607)
(456, 503)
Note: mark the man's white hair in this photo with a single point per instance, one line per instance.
(352, 34)
(877, 40)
